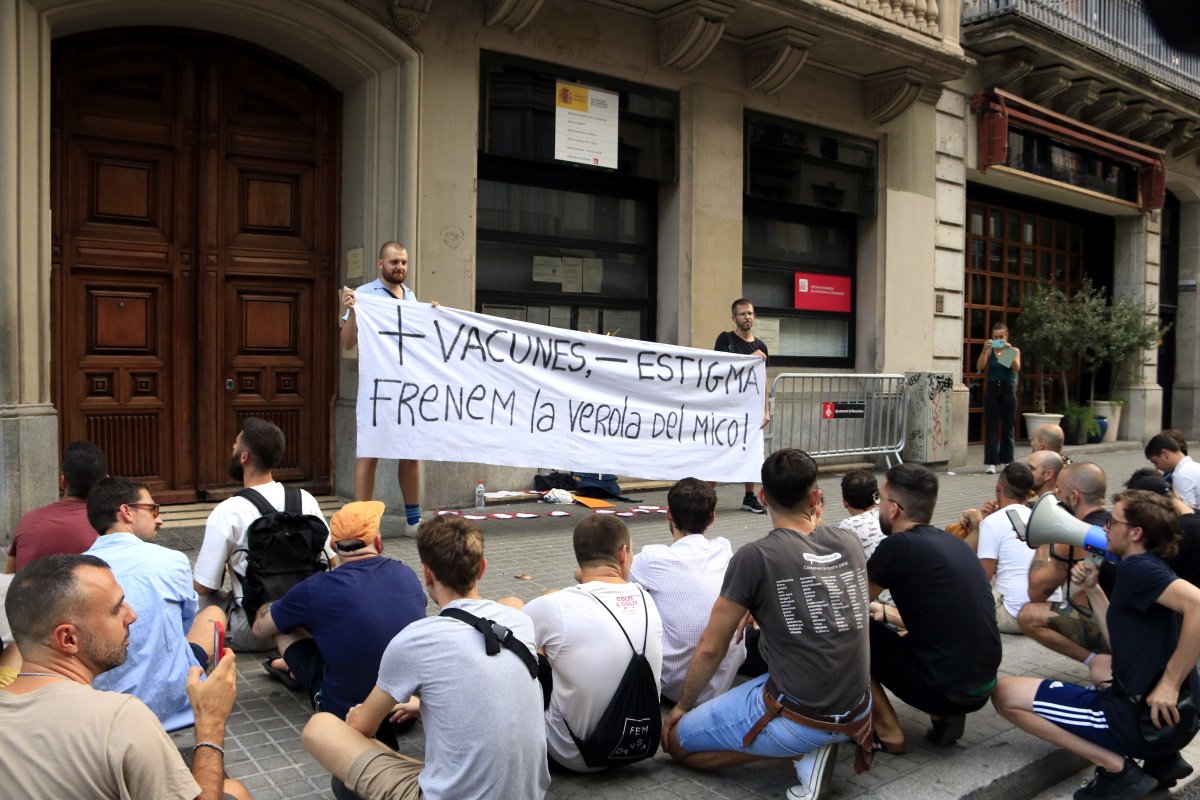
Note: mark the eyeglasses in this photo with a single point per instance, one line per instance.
(897, 504)
(1114, 521)
(151, 507)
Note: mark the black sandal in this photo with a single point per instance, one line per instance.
(281, 675)
(891, 749)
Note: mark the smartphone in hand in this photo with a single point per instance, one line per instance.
(218, 649)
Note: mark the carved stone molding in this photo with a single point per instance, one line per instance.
(688, 32)
(1003, 70)
(1160, 123)
(511, 14)
(1082, 93)
(409, 15)
(1108, 105)
(1182, 131)
(1043, 84)
(774, 58)
(889, 94)
(1135, 115)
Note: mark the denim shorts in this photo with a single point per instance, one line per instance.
(721, 723)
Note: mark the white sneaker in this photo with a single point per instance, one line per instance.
(823, 759)
(991, 469)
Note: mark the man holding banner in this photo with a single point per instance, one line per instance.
(741, 340)
(393, 269)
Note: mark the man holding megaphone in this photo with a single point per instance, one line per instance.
(1068, 628)
(1145, 708)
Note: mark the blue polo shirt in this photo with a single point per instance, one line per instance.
(377, 287)
(158, 586)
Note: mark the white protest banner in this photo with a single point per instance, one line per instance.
(440, 384)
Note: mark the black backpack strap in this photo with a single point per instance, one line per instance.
(259, 502)
(645, 610)
(495, 636)
(291, 500)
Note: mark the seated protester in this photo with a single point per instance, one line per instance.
(1050, 437)
(1004, 557)
(170, 637)
(1045, 466)
(1169, 455)
(588, 634)
(1186, 561)
(257, 450)
(65, 739)
(1153, 627)
(62, 526)
(946, 665)
(684, 579)
(1069, 628)
(482, 711)
(860, 497)
(802, 582)
(333, 627)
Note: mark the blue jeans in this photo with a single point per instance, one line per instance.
(721, 723)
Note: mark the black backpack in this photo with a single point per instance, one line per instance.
(282, 549)
(631, 726)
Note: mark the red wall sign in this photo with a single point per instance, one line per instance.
(817, 292)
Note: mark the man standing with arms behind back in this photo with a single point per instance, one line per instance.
(393, 269)
(741, 340)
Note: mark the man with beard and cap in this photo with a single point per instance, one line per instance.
(1062, 626)
(333, 627)
(258, 449)
(64, 738)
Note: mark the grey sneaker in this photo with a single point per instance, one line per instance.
(750, 503)
(818, 783)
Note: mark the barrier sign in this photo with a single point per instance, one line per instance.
(843, 410)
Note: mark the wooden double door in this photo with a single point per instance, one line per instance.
(195, 208)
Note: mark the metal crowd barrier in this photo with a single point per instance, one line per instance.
(834, 415)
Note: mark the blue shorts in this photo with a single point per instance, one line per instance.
(721, 723)
(1077, 710)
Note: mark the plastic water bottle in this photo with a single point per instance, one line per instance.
(480, 500)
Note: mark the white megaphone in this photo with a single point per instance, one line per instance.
(1052, 523)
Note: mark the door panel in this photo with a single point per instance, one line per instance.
(194, 223)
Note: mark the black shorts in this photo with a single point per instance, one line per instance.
(894, 664)
(306, 663)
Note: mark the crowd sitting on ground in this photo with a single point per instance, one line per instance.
(118, 632)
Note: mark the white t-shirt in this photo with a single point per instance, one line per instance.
(1185, 479)
(589, 653)
(482, 715)
(684, 578)
(225, 536)
(998, 540)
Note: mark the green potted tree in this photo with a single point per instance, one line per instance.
(1125, 334)
(1045, 332)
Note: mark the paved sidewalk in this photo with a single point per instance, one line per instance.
(992, 759)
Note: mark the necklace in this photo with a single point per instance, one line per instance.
(43, 675)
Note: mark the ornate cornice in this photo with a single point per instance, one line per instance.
(409, 15)
(688, 32)
(889, 94)
(774, 58)
(1081, 94)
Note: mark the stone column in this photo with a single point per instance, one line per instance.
(28, 423)
(1136, 277)
(700, 236)
(1185, 405)
(906, 283)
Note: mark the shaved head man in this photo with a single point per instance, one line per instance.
(1045, 466)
